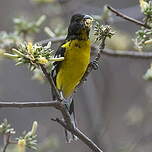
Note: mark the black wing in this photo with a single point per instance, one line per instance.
(56, 65)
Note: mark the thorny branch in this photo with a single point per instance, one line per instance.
(127, 17)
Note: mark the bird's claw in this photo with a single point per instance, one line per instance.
(95, 65)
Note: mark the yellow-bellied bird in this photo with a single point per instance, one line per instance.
(76, 52)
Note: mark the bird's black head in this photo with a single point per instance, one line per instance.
(79, 27)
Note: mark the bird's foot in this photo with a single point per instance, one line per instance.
(94, 65)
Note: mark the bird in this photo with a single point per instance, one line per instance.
(68, 73)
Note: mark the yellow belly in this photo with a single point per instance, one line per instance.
(76, 60)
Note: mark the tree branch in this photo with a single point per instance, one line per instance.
(80, 135)
(123, 53)
(6, 142)
(127, 17)
(58, 105)
(10, 104)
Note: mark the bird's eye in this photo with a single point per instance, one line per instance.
(77, 19)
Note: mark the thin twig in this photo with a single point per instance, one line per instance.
(129, 54)
(127, 17)
(6, 141)
(80, 135)
(5, 147)
(10, 104)
(56, 104)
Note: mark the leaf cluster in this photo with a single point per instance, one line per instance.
(30, 54)
(5, 128)
(29, 137)
(31, 141)
(148, 10)
(143, 35)
(102, 31)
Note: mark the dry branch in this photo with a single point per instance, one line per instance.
(127, 17)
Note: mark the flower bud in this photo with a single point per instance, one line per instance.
(143, 5)
(42, 60)
(21, 145)
(30, 47)
(34, 128)
(148, 42)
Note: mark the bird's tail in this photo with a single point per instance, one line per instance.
(69, 136)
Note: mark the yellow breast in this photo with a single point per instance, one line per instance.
(72, 69)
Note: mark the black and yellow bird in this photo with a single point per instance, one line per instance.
(76, 52)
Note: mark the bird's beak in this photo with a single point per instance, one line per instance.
(88, 21)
